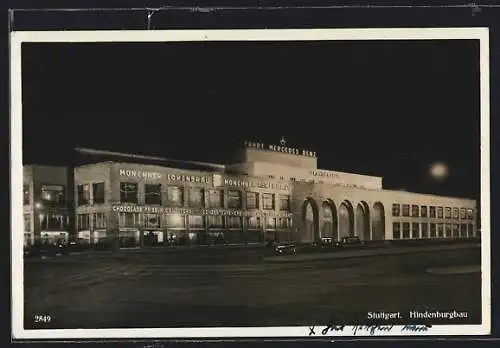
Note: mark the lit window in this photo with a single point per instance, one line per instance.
(53, 195)
(414, 211)
(284, 202)
(234, 199)
(396, 230)
(396, 210)
(268, 201)
(252, 200)
(152, 194)
(406, 210)
(196, 197)
(128, 192)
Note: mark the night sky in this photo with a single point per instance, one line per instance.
(380, 108)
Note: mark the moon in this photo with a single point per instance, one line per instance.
(439, 170)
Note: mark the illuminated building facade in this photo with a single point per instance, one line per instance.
(268, 192)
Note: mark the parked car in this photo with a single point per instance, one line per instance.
(348, 241)
(284, 249)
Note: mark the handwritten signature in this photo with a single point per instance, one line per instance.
(370, 329)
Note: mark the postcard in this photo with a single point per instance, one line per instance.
(250, 183)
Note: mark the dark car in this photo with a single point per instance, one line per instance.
(284, 249)
(348, 241)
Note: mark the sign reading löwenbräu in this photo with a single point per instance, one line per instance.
(141, 174)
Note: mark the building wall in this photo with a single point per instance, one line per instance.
(28, 209)
(258, 155)
(115, 173)
(320, 193)
(36, 176)
(265, 169)
(112, 173)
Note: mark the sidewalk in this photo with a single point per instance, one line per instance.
(341, 254)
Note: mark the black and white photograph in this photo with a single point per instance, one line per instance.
(241, 183)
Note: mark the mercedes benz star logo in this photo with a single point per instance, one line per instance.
(282, 141)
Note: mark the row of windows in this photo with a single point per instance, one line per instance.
(99, 221)
(432, 212)
(196, 197)
(181, 222)
(50, 195)
(53, 221)
(407, 230)
(87, 193)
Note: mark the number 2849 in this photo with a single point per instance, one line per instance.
(38, 318)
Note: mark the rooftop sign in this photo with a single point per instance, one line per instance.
(280, 148)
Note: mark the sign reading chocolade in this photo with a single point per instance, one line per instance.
(191, 211)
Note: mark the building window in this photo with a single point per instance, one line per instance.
(447, 213)
(432, 212)
(433, 230)
(424, 229)
(83, 222)
(470, 214)
(26, 195)
(463, 214)
(234, 199)
(440, 230)
(175, 221)
(455, 213)
(99, 220)
(253, 222)
(129, 219)
(53, 195)
(27, 223)
(152, 194)
(423, 211)
(128, 192)
(406, 230)
(284, 202)
(284, 223)
(234, 222)
(440, 212)
(463, 230)
(270, 223)
(415, 230)
(83, 192)
(252, 200)
(216, 198)
(456, 230)
(470, 230)
(196, 221)
(406, 210)
(396, 209)
(396, 230)
(215, 221)
(196, 197)
(175, 196)
(268, 201)
(152, 220)
(98, 192)
(447, 229)
(414, 211)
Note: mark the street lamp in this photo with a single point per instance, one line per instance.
(438, 170)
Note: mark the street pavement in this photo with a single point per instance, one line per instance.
(235, 287)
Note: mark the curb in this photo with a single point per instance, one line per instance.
(364, 253)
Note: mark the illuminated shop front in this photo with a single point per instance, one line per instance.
(46, 201)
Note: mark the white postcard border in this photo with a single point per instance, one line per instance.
(16, 40)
